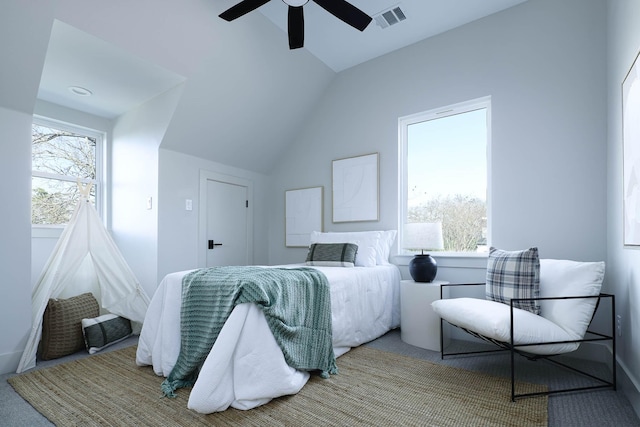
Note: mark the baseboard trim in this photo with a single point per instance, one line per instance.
(628, 384)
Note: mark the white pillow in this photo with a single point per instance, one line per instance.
(562, 278)
(384, 246)
(367, 242)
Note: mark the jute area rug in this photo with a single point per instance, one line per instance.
(373, 388)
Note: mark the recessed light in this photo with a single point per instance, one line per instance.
(80, 91)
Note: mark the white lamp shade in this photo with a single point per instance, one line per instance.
(423, 236)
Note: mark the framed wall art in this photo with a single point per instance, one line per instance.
(355, 188)
(303, 214)
(631, 154)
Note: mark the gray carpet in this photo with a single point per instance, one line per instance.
(584, 409)
(601, 408)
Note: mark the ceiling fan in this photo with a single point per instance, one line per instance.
(341, 9)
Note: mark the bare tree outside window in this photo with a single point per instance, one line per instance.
(59, 159)
(463, 218)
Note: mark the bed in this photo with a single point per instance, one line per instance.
(245, 367)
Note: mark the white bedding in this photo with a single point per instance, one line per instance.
(245, 367)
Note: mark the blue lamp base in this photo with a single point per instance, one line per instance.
(423, 268)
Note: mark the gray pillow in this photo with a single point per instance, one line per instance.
(105, 330)
(332, 254)
(514, 274)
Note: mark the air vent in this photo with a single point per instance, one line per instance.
(390, 17)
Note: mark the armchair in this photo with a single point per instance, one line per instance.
(569, 295)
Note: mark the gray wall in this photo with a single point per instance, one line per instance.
(543, 64)
(178, 229)
(623, 264)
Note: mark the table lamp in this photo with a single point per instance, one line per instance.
(421, 236)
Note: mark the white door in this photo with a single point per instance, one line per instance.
(227, 224)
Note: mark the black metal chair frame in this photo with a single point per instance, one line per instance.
(589, 336)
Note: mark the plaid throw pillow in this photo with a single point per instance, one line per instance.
(332, 254)
(514, 274)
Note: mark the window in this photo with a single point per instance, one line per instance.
(443, 174)
(62, 155)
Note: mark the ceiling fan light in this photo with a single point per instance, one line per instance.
(295, 3)
(80, 91)
(341, 9)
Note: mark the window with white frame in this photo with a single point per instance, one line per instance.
(61, 156)
(444, 177)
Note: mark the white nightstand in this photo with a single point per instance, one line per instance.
(419, 324)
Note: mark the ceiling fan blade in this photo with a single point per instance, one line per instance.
(296, 27)
(241, 9)
(346, 12)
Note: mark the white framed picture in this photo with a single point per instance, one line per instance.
(631, 154)
(355, 188)
(303, 214)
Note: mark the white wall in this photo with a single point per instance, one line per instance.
(15, 246)
(134, 184)
(543, 64)
(237, 73)
(19, 78)
(623, 267)
(179, 179)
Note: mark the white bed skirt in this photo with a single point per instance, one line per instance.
(246, 367)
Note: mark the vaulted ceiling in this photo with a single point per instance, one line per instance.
(245, 94)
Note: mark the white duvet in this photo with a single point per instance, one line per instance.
(245, 367)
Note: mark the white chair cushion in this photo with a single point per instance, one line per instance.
(560, 278)
(491, 319)
(559, 320)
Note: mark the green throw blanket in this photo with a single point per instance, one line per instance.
(296, 303)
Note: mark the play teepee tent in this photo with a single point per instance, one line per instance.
(85, 253)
